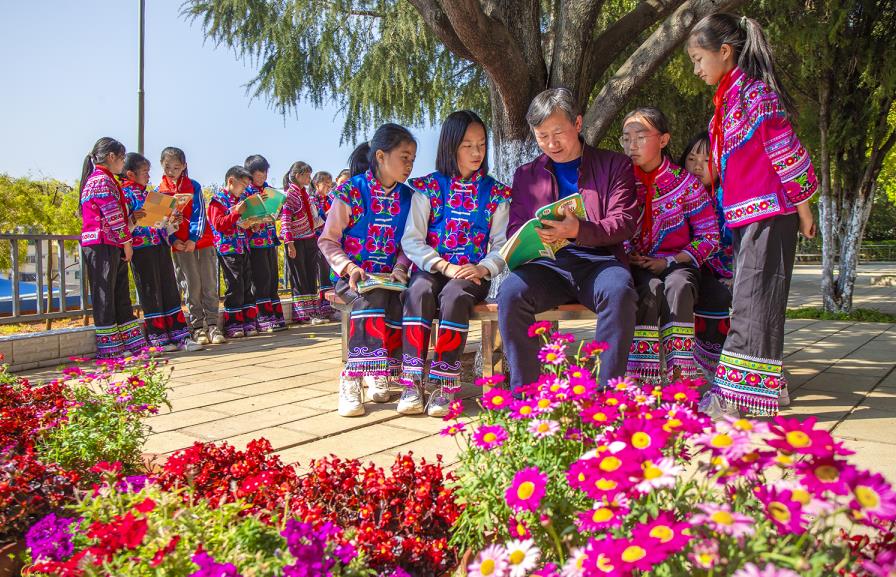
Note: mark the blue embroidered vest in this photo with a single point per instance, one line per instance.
(373, 237)
(460, 214)
(235, 243)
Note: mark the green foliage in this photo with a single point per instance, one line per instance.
(105, 421)
(376, 59)
(856, 315)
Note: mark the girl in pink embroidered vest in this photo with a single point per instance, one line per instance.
(766, 178)
(298, 221)
(678, 234)
(107, 249)
(321, 200)
(711, 313)
(166, 326)
(456, 213)
(224, 211)
(363, 235)
(263, 243)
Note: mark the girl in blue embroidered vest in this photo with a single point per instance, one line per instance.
(678, 234)
(166, 325)
(322, 199)
(298, 221)
(455, 214)
(106, 245)
(767, 179)
(363, 235)
(711, 313)
(224, 210)
(263, 243)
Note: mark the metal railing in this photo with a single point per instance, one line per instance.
(51, 289)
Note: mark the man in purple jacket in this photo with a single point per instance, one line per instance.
(593, 269)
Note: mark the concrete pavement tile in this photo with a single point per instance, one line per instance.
(882, 399)
(279, 437)
(168, 442)
(202, 400)
(839, 382)
(877, 457)
(330, 423)
(181, 419)
(361, 442)
(249, 422)
(869, 425)
(265, 401)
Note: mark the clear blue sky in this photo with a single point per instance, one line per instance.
(69, 71)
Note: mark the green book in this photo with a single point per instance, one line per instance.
(379, 281)
(525, 245)
(266, 208)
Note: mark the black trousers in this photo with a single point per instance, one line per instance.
(303, 275)
(117, 329)
(159, 295)
(240, 312)
(374, 341)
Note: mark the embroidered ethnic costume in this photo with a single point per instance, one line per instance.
(678, 216)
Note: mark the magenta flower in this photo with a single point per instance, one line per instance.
(523, 409)
(721, 519)
(663, 532)
(488, 437)
(782, 509)
(871, 495)
(526, 490)
(453, 429)
(827, 474)
(793, 436)
(539, 328)
(497, 399)
(544, 428)
(770, 570)
(594, 348)
(552, 354)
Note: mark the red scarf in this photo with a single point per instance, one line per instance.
(647, 179)
(716, 128)
(182, 186)
(306, 203)
(126, 183)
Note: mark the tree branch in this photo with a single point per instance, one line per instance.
(607, 45)
(438, 22)
(644, 62)
(574, 23)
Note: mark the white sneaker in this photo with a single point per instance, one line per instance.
(377, 389)
(715, 407)
(190, 345)
(216, 337)
(439, 402)
(350, 401)
(251, 332)
(411, 401)
(171, 348)
(200, 337)
(319, 321)
(784, 397)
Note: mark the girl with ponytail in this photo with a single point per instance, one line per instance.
(106, 245)
(766, 180)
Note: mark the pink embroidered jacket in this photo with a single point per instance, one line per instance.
(683, 219)
(299, 217)
(103, 212)
(765, 171)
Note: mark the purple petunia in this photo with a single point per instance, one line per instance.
(50, 539)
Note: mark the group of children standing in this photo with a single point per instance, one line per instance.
(711, 260)
(183, 256)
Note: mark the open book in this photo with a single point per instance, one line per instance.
(525, 245)
(260, 209)
(158, 207)
(379, 281)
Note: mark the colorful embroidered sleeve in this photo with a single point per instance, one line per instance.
(701, 214)
(789, 158)
(287, 214)
(104, 195)
(413, 241)
(222, 219)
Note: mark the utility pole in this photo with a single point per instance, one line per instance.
(141, 25)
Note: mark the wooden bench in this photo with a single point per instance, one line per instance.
(487, 316)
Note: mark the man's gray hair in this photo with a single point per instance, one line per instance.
(548, 102)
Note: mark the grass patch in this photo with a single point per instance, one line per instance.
(857, 315)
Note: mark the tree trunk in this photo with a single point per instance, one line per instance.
(826, 212)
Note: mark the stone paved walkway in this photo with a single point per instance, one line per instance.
(283, 387)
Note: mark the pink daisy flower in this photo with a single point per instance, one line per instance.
(721, 519)
(705, 554)
(544, 428)
(605, 514)
(491, 381)
(491, 562)
(552, 354)
(826, 474)
(600, 415)
(518, 529)
(793, 436)
(593, 348)
(455, 410)
(663, 532)
(871, 495)
(523, 409)
(497, 399)
(488, 437)
(770, 570)
(729, 444)
(781, 509)
(680, 392)
(526, 490)
(453, 429)
(658, 474)
(634, 555)
(581, 383)
(540, 328)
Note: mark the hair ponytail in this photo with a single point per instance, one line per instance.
(358, 161)
(752, 52)
(98, 155)
(295, 170)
